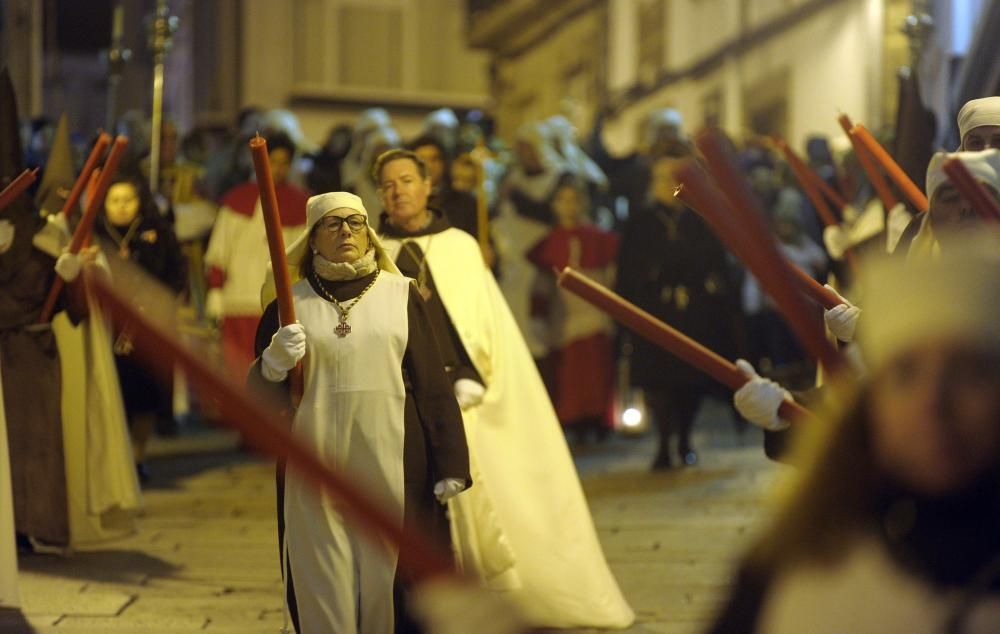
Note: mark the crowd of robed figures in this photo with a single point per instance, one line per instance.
(440, 446)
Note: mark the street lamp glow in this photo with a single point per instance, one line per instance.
(631, 417)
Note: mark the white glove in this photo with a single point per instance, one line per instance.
(213, 303)
(68, 266)
(6, 235)
(836, 241)
(469, 393)
(287, 348)
(759, 399)
(855, 360)
(448, 488)
(843, 319)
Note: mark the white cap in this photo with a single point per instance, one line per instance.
(978, 112)
(984, 166)
(442, 117)
(318, 207)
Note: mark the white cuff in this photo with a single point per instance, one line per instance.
(269, 372)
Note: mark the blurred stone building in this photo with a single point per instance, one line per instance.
(765, 66)
(324, 59)
(752, 66)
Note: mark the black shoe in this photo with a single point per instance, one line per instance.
(142, 471)
(662, 462)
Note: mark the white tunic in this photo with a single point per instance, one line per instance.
(352, 414)
(524, 524)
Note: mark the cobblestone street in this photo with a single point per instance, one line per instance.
(205, 558)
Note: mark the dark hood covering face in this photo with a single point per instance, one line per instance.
(21, 212)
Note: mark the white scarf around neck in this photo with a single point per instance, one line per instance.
(339, 271)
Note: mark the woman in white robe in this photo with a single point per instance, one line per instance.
(373, 385)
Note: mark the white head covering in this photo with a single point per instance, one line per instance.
(956, 296)
(563, 136)
(538, 135)
(441, 118)
(368, 121)
(286, 121)
(316, 208)
(380, 140)
(658, 120)
(984, 165)
(442, 125)
(978, 112)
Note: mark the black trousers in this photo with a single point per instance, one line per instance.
(674, 410)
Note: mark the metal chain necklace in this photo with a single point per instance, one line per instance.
(120, 240)
(421, 262)
(343, 328)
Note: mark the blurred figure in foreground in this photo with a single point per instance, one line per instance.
(894, 525)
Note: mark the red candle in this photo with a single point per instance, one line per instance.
(276, 247)
(766, 263)
(266, 429)
(82, 234)
(665, 336)
(808, 184)
(972, 190)
(811, 183)
(103, 141)
(16, 187)
(700, 196)
(896, 173)
(868, 164)
(832, 194)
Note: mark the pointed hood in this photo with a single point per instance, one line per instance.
(59, 174)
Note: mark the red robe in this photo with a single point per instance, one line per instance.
(239, 323)
(579, 369)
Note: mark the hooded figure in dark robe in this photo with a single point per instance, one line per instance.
(29, 359)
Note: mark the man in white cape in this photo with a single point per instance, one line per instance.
(525, 526)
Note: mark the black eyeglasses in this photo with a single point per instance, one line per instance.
(333, 224)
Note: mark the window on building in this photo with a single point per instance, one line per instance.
(652, 39)
(765, 105)
(350, 43)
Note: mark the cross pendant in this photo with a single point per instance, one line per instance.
(343, 329)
